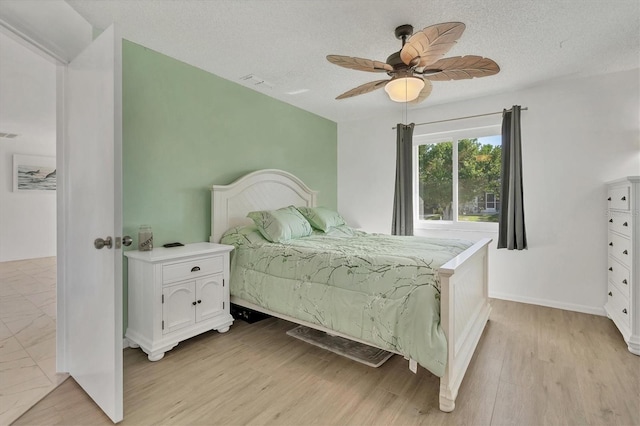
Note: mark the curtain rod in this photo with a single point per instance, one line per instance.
(464, 118)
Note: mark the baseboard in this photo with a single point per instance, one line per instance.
(593, 310)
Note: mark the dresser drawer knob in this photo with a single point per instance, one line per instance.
(193, 303)
(610, 244)
(625, 252)
(624, 311)
(609, 199)
(611, 268)
(610, 294)
(610, 220)
(195, 269)
(623, 198)
(624, 281)
(199, 301)
(625, 224)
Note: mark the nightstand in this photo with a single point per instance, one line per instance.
(177, 293)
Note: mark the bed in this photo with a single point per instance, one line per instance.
(461, 278)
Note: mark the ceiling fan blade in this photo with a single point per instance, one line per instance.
(432, 43)
(359, 64)
(424, 93)
(365, 88)
(460, 68)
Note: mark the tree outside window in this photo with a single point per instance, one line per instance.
(476, 176)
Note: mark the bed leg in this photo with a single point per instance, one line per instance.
(447, 404)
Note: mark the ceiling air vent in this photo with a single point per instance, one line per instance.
(4, 135)
(256, 81)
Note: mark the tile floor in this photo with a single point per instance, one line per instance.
(27, 335)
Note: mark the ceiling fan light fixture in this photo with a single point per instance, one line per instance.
(404, 89)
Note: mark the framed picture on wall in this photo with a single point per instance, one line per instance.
(34, 173)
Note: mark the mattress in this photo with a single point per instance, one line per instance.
(378, 288)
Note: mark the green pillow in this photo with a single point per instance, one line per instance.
(243, 235)
(322, 218)
(281, 225)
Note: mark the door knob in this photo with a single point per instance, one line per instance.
(100, 243)
(126, 241)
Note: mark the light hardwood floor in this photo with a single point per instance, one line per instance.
(534, 366)
(27, 334)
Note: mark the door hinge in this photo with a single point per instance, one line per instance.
(163, 324)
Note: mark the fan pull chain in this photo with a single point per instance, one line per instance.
(406, 105)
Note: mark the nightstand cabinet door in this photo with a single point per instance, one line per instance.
(209, 297)
(178, 309)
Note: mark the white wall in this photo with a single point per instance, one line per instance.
(28, 108)
(577, 134)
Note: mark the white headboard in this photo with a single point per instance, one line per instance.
(267, 189)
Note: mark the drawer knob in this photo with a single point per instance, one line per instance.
(625, 252)
(611, 244)
(625, 224)
(609, 199)
(610, 220)
(624, 198)
(610, 294)
(624, 311)
(624, 281)
(611, 268)
(195, 269)
(193, 303)
(199, 301)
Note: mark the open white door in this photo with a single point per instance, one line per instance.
(90, 166)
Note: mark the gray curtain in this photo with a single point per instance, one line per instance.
(403, 198)
(511, 230)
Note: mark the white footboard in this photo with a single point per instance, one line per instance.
(464, 311)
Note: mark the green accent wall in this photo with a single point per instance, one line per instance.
(185, 129)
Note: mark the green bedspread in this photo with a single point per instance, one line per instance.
(379, 288)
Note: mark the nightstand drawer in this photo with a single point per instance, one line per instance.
(193, 268)
(620, 222)
(619, 275)
(618, 197)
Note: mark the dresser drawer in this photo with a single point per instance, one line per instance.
(618, 197)
(619, 305)
(193, 268)
(619, 276)
(620, 222)
(620, 248)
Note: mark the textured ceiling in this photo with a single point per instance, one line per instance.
(284, 42)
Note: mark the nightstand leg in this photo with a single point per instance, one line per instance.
(223, 330)
(155, 356)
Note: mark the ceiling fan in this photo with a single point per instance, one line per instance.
(419, 62)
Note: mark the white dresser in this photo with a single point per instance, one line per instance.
(623, 292)
(176, 293)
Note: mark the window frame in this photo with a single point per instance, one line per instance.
(454, 137)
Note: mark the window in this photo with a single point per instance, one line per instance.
(458, 179)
